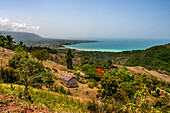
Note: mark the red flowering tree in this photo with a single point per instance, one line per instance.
(99, 71)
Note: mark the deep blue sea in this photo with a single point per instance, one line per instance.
(118, 45)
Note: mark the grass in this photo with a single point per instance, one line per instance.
(50, 100)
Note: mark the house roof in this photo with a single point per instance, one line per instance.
(67, 76)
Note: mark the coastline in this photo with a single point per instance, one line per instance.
(99, 50)
(114, 50)
(65, 47)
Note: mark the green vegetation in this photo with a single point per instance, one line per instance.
(117, 90)
(121, 90)
(6, 42)
(41, 54)
(50, 100)
(69, 57)
(103, 56)
(154, 58)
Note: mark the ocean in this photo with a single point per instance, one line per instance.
(118, 45)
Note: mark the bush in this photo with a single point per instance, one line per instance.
(93, 81)
(9, 75)
(61, 62)
(55, 69)
(81, 81)
(90, 84)
(167, 90)
(155, 94)
(41, 54)
(92, 106)
(48, 69)
(60, 89)
(92, 73)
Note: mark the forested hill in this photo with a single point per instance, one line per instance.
(31, 39)
(22, 36)
(154, 58)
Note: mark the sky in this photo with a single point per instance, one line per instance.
(87, 19)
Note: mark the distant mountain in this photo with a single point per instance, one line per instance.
(31, 39)
(154, 58)
(22, 36)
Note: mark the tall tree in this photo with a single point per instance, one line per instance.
(109, 64)
(9, 42)
(31, 71)
(69, 57)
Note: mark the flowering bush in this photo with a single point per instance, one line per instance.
(99, 71)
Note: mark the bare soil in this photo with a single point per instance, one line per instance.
(11, 104)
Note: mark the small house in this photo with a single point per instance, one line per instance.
(69, 80)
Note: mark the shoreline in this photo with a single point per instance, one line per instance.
(105, 50)
(66, 47)
(112, 50)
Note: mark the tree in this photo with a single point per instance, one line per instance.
(31, 71)
(21, 43)
(69, 57)
(1, 61)
(9, 42)
(2, 39)
(109, 84)
(109, 64)
(6, 42)
(125, 75)
(41, 54)
(84, 60)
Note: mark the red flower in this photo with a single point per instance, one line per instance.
(99, 71)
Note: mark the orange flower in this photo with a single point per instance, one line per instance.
(99, 71)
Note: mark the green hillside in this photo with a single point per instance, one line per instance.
(32, 76)
(154, 58)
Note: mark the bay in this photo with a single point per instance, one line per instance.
(118, 45)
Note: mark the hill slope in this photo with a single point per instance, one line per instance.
(154, 58)
(22, 36)
(31, 39)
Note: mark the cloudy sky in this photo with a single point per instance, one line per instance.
(87, 18)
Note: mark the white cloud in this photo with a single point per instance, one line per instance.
(9, 25)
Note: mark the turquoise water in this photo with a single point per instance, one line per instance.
(118, 45)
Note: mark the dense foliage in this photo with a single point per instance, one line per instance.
(6, 42)
(32, 72)
(41, 54)
(155, 58)
(69, 57)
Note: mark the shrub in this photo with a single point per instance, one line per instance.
(60, 89)
(55, 69)
(93, 81)
(81, 81)
(155, 94)
(92, 106)
(61, 62)
(41, 54)
(90, 84)
(9, 75)
(48, 69)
